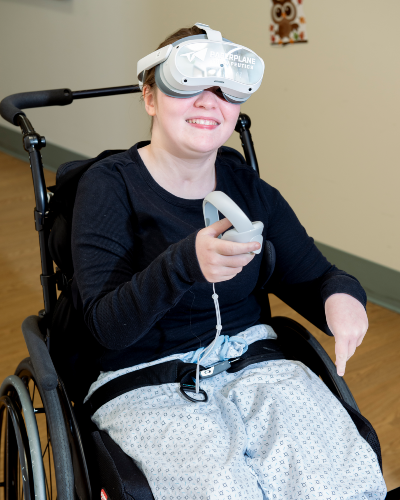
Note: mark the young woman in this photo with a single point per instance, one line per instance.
(144, 267)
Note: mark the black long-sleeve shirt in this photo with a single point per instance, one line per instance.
(142, 291)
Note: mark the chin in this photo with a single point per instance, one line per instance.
(205, 144)
(206, 147)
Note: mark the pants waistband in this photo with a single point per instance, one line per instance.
(176, 371)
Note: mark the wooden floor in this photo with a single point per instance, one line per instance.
(373, 375)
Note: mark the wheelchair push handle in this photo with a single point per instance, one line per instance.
(11, 107)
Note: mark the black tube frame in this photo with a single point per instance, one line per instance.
(33, 143)
(243, 127)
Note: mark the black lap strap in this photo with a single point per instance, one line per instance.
(262, 350)
(162, 373)
(177, 371)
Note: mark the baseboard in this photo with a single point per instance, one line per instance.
(381, 283)
(53, 156)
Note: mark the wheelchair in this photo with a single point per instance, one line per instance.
(48, 446)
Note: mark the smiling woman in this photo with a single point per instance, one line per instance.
(145, 269)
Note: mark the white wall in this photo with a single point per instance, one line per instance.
(78, 44)
(325, 121)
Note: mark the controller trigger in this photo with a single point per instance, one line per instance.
(259, 240)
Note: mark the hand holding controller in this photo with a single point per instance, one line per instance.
(221, 260)
(244, 231)
(223, 257)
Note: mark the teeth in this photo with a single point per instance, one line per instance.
(202, 122)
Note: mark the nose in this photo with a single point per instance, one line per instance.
(283, 15)
(206, 100)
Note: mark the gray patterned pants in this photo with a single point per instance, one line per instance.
(270, 431)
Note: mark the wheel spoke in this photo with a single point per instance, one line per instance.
(47, 487)
(45, 450)
(33, 395)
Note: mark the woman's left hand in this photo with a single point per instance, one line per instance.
(348, 321)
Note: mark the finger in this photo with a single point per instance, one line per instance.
(218, 227)
(237, 260)
(341, 351)
(227, 248)
(224, 274)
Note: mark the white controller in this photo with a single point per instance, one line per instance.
(244, 232)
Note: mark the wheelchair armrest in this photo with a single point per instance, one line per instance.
(298, 343)
(305, 299)
(41, 360)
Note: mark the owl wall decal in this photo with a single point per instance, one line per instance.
(288, 22)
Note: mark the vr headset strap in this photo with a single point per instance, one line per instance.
(159, 56)
(153, 59)
(212, 35)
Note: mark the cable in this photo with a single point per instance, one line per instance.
(210, 348)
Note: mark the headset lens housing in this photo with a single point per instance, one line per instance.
(221, 61)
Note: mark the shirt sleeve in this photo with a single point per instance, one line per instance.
(303, 278)
(120, 305)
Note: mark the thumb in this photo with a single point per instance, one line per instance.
(218, 227)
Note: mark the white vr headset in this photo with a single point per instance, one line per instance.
(188, 66)
(244, 232)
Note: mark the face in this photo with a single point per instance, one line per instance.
(191, 127)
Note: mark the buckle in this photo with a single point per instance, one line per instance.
(192, 388)
(61, 279)
(216, 369)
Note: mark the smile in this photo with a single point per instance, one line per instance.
(199, 121)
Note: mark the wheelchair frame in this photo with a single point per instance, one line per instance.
(17, 403)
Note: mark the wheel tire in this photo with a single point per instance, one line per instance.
(57, 443)
(15, 452)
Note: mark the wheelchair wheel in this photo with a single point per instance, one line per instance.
(55, 448)
(34, 452)
(28, 379)
(17, 467)
(20, 455)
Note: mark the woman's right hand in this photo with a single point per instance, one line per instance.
(221, 260)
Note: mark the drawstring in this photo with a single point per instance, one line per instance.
(208, 349)
(219, 341)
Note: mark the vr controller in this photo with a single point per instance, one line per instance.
(244, 231)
